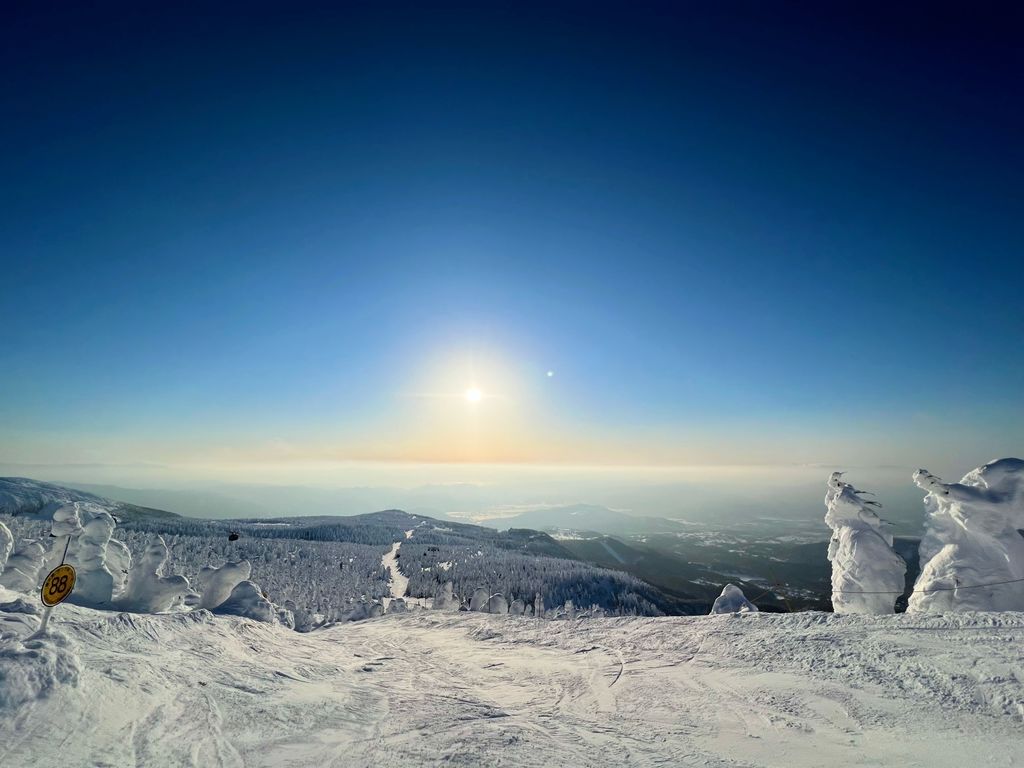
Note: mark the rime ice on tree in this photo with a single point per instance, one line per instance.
(22, 572)
(96, 581)
(147, 591)
(732, 600)
(6, 545)
(972, 540)
(218, 583)
(867, 575)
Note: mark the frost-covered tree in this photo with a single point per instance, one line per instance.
(66, 520)
(867, 574)
(444, 597)
(398, 605)
(247, 600)
(6, 545)
(732, 600)
(479, 600)
(147, 591)
(497, 603)
(95, 584)
(972, 541)
(22, 572)
(217, 584)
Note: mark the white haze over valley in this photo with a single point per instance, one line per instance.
(490, 494)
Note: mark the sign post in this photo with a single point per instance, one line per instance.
(56, 587)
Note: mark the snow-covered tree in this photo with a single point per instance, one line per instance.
(497, 603)
(22, 572)
(6, 545)
(218, 583)
(247, 600)
(444, 597)
(867, 574)
(147, 591)
(732, 600)
(479, 600)
(972, 541)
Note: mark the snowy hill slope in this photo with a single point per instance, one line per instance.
(24, 496)
(430, 687)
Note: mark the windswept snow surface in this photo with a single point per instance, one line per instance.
(432, 687)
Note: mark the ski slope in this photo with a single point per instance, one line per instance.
(429, 688)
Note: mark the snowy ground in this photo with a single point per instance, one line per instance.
(429, 688)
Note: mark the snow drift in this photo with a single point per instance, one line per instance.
(867, 575)
(972, 541)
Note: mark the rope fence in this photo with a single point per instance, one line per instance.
(776, 587)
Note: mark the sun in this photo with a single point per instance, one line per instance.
(473, 395)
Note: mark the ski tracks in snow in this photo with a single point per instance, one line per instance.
(431, 687)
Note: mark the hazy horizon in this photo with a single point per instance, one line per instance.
(704, 495)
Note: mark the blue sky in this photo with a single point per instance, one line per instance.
(752, 236)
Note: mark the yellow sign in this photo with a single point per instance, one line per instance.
(58, 585)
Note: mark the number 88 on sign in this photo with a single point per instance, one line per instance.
(58, 585)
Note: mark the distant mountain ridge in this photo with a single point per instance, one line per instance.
(587, 518)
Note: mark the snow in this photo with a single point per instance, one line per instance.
(398, 582)
(972, 541)
(867, 575)
(732, 600)
(34, 669)
(427, 687)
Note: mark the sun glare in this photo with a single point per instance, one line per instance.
(473, 395)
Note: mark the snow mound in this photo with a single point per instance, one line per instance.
(218, 583)
(33, 669)
(867, 575)
(246, 600)
(732, 600)
(972, 541)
